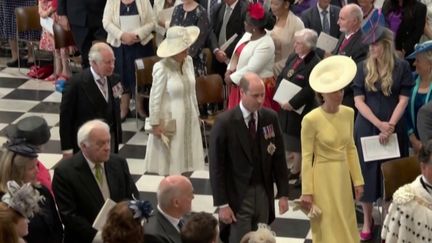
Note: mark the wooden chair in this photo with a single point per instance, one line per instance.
(396, 173)
(63, 39)
(27, 19)
(209, 89)
(144, 77)
(209, 60)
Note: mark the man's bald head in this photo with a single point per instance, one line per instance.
(175, 194)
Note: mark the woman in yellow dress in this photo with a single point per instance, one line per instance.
(330, 162)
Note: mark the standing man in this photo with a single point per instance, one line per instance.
(351, 43)
(227, 20)
(84, 19)
(92, 94)
(81, 184)
(322, 17)
(246, 156)
(174, 196)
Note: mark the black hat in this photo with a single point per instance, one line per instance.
(33, 130)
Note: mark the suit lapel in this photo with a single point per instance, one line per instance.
(111, 176)
(92, 90)
(243, 133)
(263, 143)
(353, 40)
(88, 181)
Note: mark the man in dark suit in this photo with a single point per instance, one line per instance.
(81, 184)
(92, 94)
(210, 6)
(247, 155)
(228, 16)
(84, 19)
(174, 195)
(322, 17)
(424, 122)
(351, 42)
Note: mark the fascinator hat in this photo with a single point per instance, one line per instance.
(420, 48)
(258, 16)
(178, 38)
(141, 210)
(332, 74)
(23, 199)
(373, 30)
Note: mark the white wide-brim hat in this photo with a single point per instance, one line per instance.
(178, 38)
(332, 74)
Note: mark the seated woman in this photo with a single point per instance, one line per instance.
(421, 93)
(255, 52)
(409, 216)
(124, 222)
(297, 70)
(16, 207)
(18, 163)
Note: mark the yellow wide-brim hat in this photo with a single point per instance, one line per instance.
(178, 38)
(332, 74)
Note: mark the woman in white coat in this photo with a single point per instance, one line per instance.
(172, 97)
(129, 24)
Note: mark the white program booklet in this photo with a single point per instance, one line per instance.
(47, 24)
(285, 92)
(129, 23)
(326, 42)
(228, 42)
(374, 150)
(102, 216)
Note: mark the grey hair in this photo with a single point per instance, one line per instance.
(85, 130)
(95, 51)
(425, 153)
(355, 12)
(308, 36)
(427, 55)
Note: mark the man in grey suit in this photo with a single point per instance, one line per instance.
(424, 122)
(322, 17)
(81, 184)
(174, 195)
(246, 157)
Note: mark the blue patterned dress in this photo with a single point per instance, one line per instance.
(197, 17)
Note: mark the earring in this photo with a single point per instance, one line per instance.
(253, 30)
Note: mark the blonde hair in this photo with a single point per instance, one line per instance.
(388, 60)
(12, 168)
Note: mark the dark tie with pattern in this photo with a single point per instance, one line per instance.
(252, 125)
(102, 83)
(180, 224)
(325, 22)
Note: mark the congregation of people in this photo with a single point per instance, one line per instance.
(376, 81)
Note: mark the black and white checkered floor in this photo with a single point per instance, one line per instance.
(21, 97)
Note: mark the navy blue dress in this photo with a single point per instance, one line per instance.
(125, 55)
(382, 106)
(8, 20)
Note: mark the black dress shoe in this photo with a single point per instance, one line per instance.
(12, 63)
(23, 63)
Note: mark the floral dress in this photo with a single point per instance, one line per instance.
(196, 17)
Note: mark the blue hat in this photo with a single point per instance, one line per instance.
(419, 48)
(374, 28)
